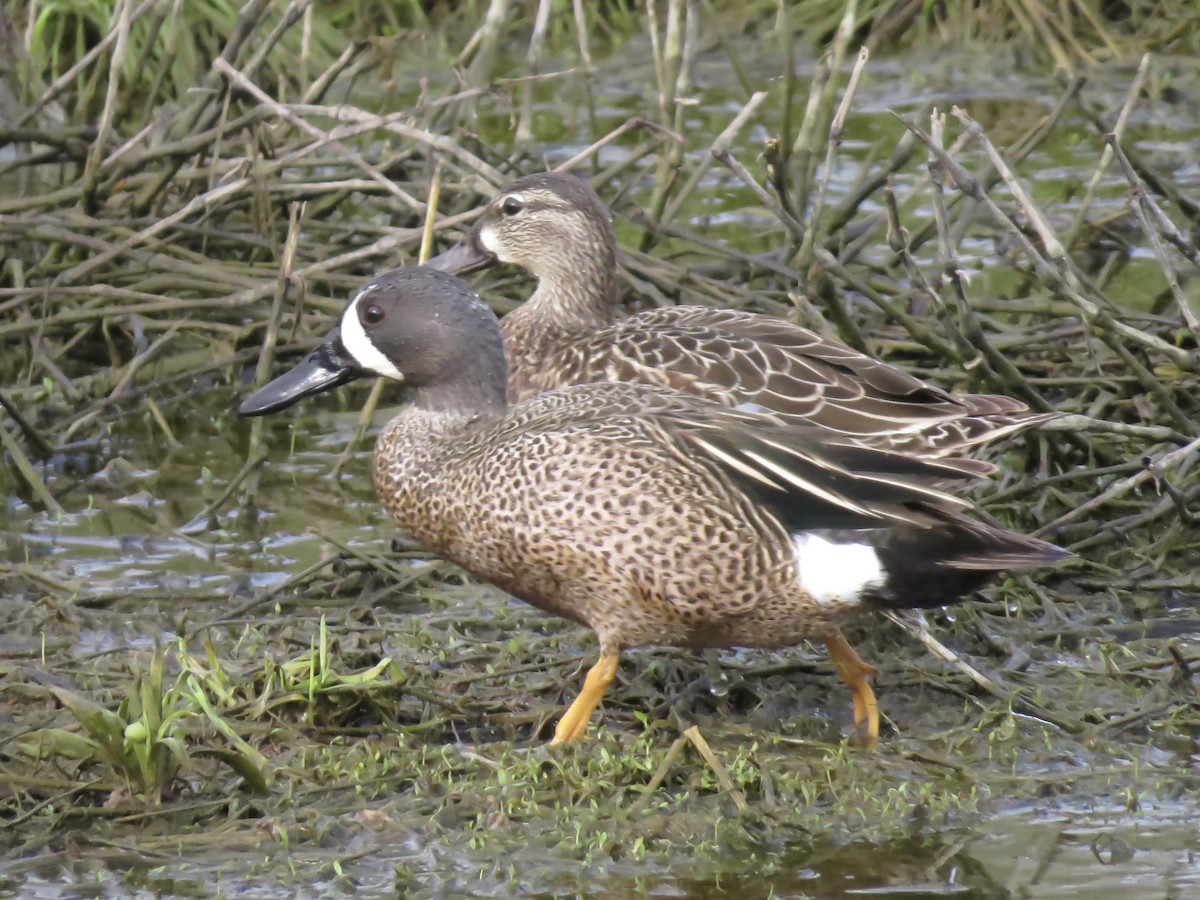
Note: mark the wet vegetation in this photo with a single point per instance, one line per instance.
(218, 661)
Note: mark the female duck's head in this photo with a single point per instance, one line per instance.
(552, 224)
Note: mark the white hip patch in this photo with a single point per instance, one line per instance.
(836, 574)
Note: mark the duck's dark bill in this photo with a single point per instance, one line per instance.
(465, 256)
(325, 368)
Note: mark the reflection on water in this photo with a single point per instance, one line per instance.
(1042, 854)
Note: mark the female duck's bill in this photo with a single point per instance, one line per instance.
(647, 514)
(468, 255)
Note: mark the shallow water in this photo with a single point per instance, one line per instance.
(139, 567)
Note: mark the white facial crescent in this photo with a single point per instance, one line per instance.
(359, 346)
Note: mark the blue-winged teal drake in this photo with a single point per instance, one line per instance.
(571, 331)
(650, 515)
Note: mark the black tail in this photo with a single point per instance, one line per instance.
(938, 565)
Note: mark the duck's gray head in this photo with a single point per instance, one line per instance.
(549, 224)
(414, 325)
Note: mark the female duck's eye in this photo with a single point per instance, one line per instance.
(511, 206)
(373, 314)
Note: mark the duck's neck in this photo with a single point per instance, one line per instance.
(466, 397)
(468, 382)
(576, 296)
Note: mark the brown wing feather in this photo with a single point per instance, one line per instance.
(846, 374)
(743, 359)
(737, 358)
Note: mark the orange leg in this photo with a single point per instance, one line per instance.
(858, 675)
(574, 722)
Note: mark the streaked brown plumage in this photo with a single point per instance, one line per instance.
(650, 515)
(570, 332)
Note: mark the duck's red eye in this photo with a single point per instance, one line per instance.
(373, 314)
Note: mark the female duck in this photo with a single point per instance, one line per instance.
(570, 331)
(650, 515)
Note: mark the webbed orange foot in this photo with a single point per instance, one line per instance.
(573, 725)
(858, 676)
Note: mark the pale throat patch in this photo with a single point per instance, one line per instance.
(836, 574)
(359, 346)
(487, 240)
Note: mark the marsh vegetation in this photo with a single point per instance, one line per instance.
(218, 661)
